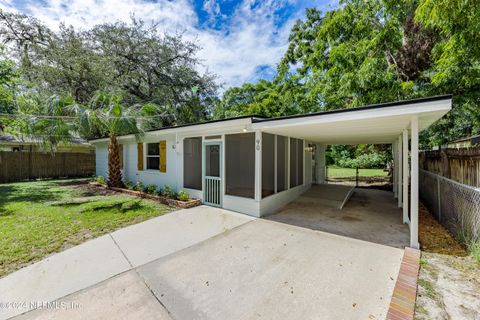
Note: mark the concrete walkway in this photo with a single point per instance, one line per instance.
(102, 258)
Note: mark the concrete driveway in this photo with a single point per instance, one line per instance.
(255, 269)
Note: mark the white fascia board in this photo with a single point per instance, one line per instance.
(440, 106)
(207, 128)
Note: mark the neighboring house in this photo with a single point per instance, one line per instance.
(468, 142)
(255, 165)
(15, 144)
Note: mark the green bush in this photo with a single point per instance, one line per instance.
(366, 161)
(138, 186)
(101, 180)
(128, 184)
(361, 156)
(151, 189)
(183, 195)
(167, 191)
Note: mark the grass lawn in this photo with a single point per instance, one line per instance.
(335, 172)
(42, 217)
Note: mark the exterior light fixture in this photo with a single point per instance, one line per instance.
(311, 148)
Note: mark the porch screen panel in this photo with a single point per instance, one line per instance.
(293, 163)
(268, 164)
(282, 162)
(192, 163)
(300, 152)
(240, 165)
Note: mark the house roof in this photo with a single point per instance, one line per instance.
(376, 123)
(11, 139)
(472, 139)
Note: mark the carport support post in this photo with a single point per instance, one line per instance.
(395, 168)
(405, 175)
(399, 171)
(414, 185)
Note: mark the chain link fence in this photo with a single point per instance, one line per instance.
(455, 205)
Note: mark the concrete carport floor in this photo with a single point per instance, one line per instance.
(260, 269)
(370, 214)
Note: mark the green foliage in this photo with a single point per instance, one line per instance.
(475, 252)
(367, 52)
(167, 191)
(139, 186)
(128, 184)
(100, 180)
(151, 189)
(183, 195)
(360, 156)
(9, 80)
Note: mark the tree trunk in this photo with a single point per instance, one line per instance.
(114, 173)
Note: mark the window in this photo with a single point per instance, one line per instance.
(192, 163)
(240, 164)
(282, 162)
(296, 162)
(153, 156)
(268, 164)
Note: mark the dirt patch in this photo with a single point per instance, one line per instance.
(350, 218)
(449, 281)
(88, 190)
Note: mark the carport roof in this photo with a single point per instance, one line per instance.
(380, 123)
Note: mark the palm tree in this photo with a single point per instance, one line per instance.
(106, 115)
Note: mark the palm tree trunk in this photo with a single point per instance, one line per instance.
(114, 173)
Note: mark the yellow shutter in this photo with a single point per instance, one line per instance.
(163, 156)
(140, 156)
(120, 154)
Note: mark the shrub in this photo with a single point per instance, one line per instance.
(159, 191)
(168, 192)
(138, 186)
(128, 184)
(151, 189)
(183, 195)
(101, 180)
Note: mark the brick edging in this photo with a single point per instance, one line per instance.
(402, 305)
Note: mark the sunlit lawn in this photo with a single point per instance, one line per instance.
(42, 217)
(335, 172)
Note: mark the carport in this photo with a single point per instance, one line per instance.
(397, 123)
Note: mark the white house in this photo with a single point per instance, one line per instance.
(256, 165)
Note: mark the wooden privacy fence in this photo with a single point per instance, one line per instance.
(17, 166)
(462, 165)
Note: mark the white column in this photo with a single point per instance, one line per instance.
(288, 164)
(258, 165)
(320, 163)
(395, 168)
(399, 176)
(405, 175)
(414, 185)
(275, 165)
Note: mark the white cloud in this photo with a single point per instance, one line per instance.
(250, 38)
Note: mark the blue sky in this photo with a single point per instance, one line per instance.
(241, 40)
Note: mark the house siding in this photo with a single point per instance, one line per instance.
(174, 174)
(101, 159)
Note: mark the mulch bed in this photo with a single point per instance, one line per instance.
(434, 238)
(168, 201)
